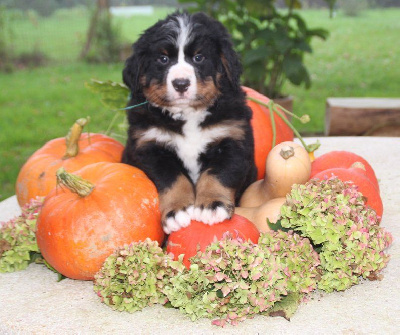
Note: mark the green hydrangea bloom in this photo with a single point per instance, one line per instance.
(231, 280)
(18, 239)
(333, 215)
(133, 277)
(300, 261)
(235, 279)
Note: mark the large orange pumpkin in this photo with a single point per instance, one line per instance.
(262, 130)
(117, 204)
(38, 175)
(199, 235)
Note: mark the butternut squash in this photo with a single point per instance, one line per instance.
(287, 163)
(259, 215)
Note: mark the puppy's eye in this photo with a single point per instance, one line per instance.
(163, 59)
(198, 58)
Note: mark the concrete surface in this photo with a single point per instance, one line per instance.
(33, 302)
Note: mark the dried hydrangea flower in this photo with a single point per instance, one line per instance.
(234, 279)
(346, 233)
(133, 277)
(231, 280)
(300, 261)
(18, 239)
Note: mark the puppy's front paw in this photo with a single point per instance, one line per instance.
(177, 219)
(215, 212)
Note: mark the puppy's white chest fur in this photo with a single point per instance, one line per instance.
(191, 143)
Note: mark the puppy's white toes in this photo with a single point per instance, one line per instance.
(221, 214)
(176, 221)
(183, 218)
(211, 216)
(190, 211)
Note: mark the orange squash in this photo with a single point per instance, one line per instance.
(199, 235)
(38, 175)
(103, 207)
(357, 176)
(262, 130)
(342, 159)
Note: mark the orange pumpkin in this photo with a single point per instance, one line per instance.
(199, 235)
(38, 175)
(365, 186)
(262, 130)
(342, 159)
(85, 219)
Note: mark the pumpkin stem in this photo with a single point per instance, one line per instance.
(287, 151)
(72, 138)
(74, 183)
(358, 165)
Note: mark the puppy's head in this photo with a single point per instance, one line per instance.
(183, 61)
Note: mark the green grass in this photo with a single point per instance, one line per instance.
(360, 58)
(62, 35)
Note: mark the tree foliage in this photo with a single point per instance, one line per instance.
(272, 42)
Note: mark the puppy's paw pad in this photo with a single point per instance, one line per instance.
(176, 220)
(213, 214)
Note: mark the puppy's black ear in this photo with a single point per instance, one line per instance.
(132, 73)
(230, 62)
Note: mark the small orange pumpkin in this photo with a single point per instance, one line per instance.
(38, 175)
(262, 130)
(342, 159)
(357, 176)
(101, 207)
(199, 235)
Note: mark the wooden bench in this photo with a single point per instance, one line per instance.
(362, 116)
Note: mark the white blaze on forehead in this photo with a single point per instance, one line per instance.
(182, 69)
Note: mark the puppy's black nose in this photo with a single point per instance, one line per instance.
(181, 85)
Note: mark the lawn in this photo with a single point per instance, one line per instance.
(360, 58)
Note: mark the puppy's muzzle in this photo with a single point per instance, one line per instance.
(181, 84)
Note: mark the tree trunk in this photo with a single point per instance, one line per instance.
(101, 5)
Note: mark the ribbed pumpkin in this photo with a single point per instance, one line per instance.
(199, 235)
(38, 175)
(262, 130)
(91, 213)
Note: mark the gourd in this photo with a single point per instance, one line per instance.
(259, 215)
(38, 175)
(262, 129)
(357, 175)
(100, 208)
(342, 159)
(198, 235)
(288, 163)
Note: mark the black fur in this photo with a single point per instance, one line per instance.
(230, 160)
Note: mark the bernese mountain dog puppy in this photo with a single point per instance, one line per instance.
(193, 138)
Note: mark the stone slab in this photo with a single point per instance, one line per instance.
(33, 302)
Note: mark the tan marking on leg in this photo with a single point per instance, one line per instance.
(178, 197)
(210, 190)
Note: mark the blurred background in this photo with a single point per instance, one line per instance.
(309, 50)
